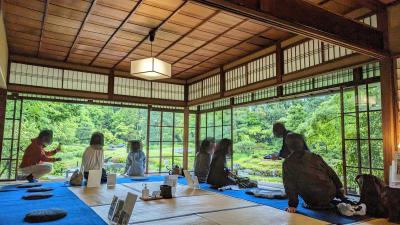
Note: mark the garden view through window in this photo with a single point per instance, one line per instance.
(354, 112)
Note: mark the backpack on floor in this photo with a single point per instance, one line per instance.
(371, 194)
(76, 178)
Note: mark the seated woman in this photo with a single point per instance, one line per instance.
(36, 161)
(93, 157)
(308, 175)
(136, 161)
(203, 159)
(219, 174)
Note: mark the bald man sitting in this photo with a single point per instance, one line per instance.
(308, 175)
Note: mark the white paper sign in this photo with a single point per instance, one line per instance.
(94, 178)
(111, 180)
(188, 178)
(126, 213)
(112, 207)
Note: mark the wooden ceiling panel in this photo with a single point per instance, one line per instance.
(80, 5)
(205, 52)
(261, 41)
(58, 36)
(88, 48)
(336, 7)
(22, 11)
(184, 20)
(130, 36)
(138, 29)
(11, 18)
(84, 52)
(124, 66)
(108, 12)
(188, 61)
(124, 5)
(201, 35)
(247, 47)
(192, 42)
(175, 28)
(113, 52)
(226, 19)
(251, 27)
(31, 4)
(147, 47)
(56, 42)
(196, 57)
(144, 21)
(111, 57)
(213, 28)
(183, 48)
(237, 34)
(93, 35)
(168, 58)
(60, 29)
(141, 52)
(54, 47)
(182, 65)
(56, 20)
(236, 52)
(226, 41)
(103, 21)
(161, 43)
(171, 5)
(98, 29)
(153, 12)
(89, 42)
(175, 53)
(195, 10)
(168, 36)
(123, 42)
(23, 29)
(65, 12)
(20, 41)
(13, 34)
(116, 47)
(215, 47)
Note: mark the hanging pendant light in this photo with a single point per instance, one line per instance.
(151, 68)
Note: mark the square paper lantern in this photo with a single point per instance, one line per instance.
(150, 69)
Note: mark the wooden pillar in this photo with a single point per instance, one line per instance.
(388, 94)
(279, 68)
(148, 138)
(3, 101)
(222, 81)
(388, 113)
(185, 137)
(110, 88)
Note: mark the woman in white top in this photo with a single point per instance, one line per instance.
(93, 157)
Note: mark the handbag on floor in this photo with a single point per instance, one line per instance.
(371, 194)
(76, 178)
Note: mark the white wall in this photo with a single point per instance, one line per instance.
(3, 53)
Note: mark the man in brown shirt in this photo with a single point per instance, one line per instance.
(36, 162)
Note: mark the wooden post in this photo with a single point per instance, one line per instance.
(279, 68)
(388, 94)
(222, 81)
(110, 88)
(148, 139)
(185, 137)
(388, 113)
(3, 101)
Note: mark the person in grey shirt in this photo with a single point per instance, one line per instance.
(203, 159)
(136, 160)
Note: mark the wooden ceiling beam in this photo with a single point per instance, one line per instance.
(219, 53)
(80, 29)
(300, 17)
(46, 6)
(116, 30)
(147, 36)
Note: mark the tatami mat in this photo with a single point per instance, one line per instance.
(167, 208)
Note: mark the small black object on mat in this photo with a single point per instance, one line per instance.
(45, 215)
(29, 185)
(40, 189)
(38, 195)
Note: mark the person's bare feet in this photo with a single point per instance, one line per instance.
(291, 209)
